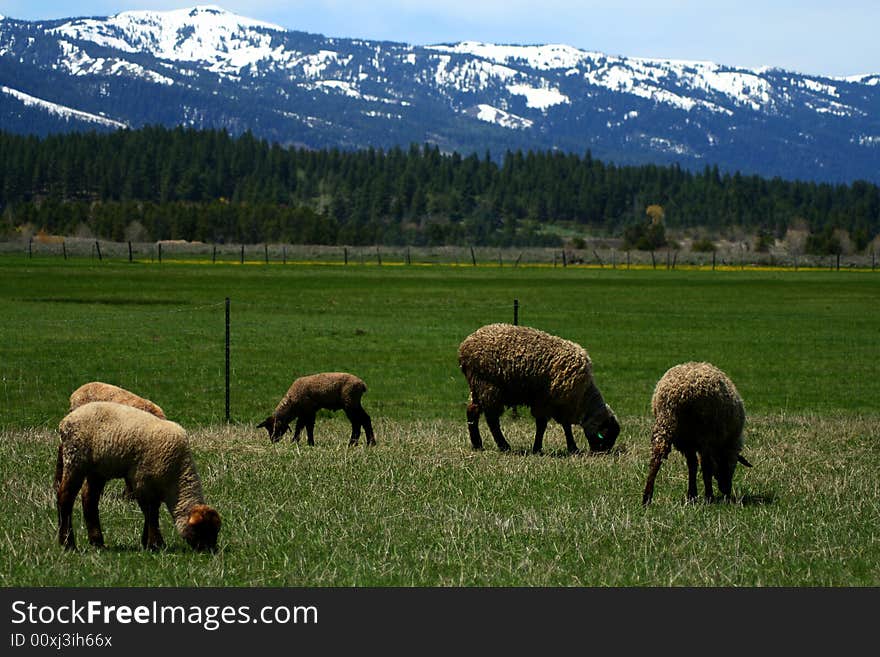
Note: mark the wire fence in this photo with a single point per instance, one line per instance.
(601, 254)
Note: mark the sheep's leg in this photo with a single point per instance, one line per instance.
(725, 479)
(354, 417)
(151, 537)
(300, 423)
(691, 456)
(91, 495)
(706, 465)
(368, 427)
(310, 429)
(473, 424)
(540, 428)
(495, 427)
(569, 439)
(68, 488)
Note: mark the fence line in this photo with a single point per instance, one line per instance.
(598, 255)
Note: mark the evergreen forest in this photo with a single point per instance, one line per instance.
(158, 183)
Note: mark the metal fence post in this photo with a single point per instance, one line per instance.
(227, 359)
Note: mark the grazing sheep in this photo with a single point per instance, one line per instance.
(507, 365)
(697, 410)
(98, 391)
(104, 440)
(308, 394)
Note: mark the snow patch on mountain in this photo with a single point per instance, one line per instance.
(79, 63)
(869, 79)
(224, 41)
(314, 65)
(540, 98)
(468, 75)
(543, 58)
(499, 117)
(60, 110)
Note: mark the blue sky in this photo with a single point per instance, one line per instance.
(822, 38)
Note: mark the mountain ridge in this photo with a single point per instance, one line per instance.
(206, 67)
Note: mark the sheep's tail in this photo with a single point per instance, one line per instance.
(742, 459)
(659, 450)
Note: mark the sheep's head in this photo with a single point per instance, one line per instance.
(274, 427)
(202, 528)
(601, 429)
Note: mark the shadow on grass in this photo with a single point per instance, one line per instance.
(137, 549)
(563, 453)
(757, 499)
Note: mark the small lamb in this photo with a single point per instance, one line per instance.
(697, 410)
(99, 391)
(104, 440)
(308, 394)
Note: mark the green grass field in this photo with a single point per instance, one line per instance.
(422, 508)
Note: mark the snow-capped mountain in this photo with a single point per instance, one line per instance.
(206, 67)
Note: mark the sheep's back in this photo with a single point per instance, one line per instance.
(100, 391)
(330, 390)
(526, 364)
(700, 402)
(112, 440)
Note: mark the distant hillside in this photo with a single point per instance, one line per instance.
(206, 185)
(207, 68)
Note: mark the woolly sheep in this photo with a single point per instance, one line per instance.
(308, 394)
(507, 365)
(104, 440)
(99, 391)
(697, 410)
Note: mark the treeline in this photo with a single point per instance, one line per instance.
(158, 183)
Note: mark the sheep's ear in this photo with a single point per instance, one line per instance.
(268, 424)
(742, 459)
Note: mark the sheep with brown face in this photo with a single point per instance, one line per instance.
(308, 394)
(100, 391)
(104, 440)
(507, 365)
(699, 411)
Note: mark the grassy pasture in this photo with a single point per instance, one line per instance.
(422, 508)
